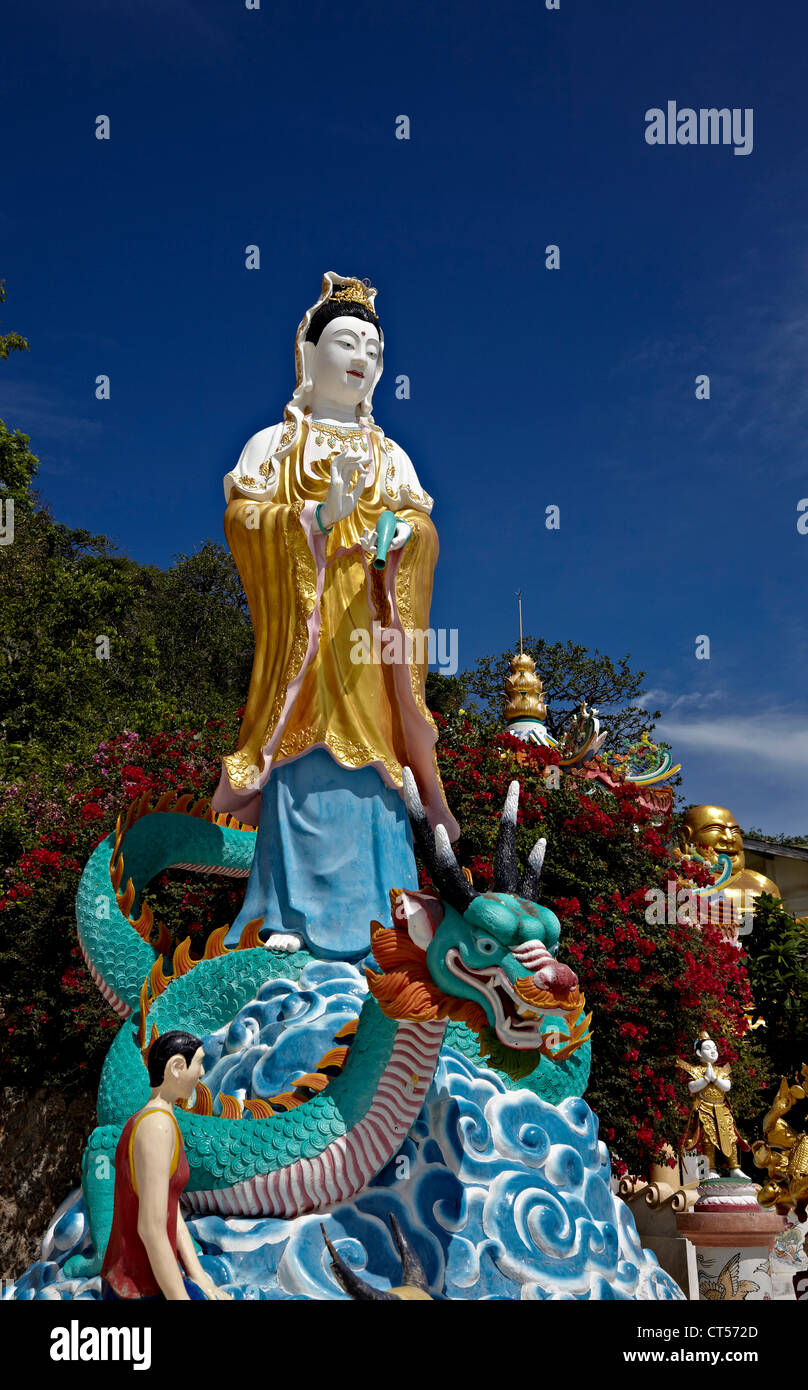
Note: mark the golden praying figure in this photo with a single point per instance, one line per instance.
(711, 1127)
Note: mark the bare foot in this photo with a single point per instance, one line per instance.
(284, 941)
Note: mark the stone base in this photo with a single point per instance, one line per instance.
(732, 1242)
(759, 1228)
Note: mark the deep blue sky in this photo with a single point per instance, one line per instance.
(529, 387)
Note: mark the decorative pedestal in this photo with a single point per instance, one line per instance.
(655, 1206)
(732, 1236)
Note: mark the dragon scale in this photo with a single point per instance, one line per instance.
(346, 1165)
(310, 1147)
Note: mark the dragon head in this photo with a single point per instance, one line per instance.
(484, 959)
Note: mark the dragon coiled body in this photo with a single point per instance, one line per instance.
(323, 1141)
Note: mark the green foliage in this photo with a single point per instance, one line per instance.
(203, 634)
(778, 972)
(570, 675)
(107, 643)
(445, 694)
(10, 342)
(798, 841)
(18, 466)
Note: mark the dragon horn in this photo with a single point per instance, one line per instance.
(349, 1280)
(451, 880)
(436, 849)
(413, 1274)
(535, 864)
(506, 866)
(422, 830)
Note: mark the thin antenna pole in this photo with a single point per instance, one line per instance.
(519, 597)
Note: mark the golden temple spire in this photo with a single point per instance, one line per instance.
(523, 688)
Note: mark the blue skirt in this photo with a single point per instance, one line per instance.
(331, 844)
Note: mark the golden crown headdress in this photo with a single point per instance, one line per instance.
(356, 292)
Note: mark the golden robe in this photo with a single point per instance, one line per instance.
(711, 1121)
(310, 597)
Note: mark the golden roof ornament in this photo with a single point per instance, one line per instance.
(356, 292)
(525, 711)
(523, 690)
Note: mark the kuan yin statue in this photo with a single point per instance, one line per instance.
(325, 735)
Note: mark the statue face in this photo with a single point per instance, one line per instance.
(346, 361)
(186, 1075)
(708, 1052)
(716, 827)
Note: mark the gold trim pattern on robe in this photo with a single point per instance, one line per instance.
(296, 573)
(352, 708)
(710, 1111)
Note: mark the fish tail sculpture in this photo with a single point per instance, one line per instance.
(483, 959)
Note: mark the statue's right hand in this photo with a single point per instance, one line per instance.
(342, 497)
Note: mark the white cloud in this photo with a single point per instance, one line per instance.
(781, 740)
(41, 414)
(668, 702)
(757, 350)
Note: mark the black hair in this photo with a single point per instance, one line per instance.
(699, 1043)
(170, 1045)
(336, 309)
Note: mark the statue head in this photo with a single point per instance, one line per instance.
(705, 1049)
(338, 351)
(343, 353)
(715, 827)
(175, 1060)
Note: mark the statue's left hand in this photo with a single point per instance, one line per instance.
(401, 535)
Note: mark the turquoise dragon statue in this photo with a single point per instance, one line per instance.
(477, 970)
